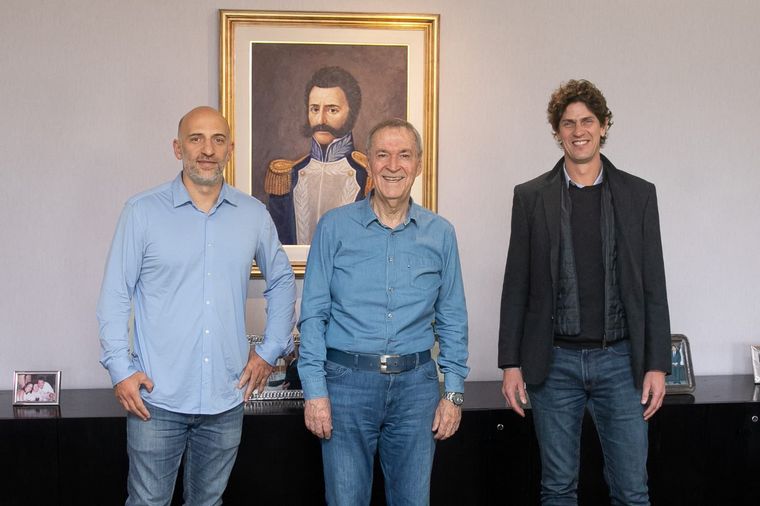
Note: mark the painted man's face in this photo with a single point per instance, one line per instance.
(328, 112)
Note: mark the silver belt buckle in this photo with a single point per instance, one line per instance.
(384, 362)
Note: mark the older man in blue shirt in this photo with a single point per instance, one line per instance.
(182, 255)
(383, 279)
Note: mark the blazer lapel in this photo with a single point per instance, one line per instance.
(621, 201)
(627, 238)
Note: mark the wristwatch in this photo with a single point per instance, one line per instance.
(456, 397)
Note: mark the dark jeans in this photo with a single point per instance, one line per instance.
(600, 379)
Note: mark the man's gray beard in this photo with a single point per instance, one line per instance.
(196, 178)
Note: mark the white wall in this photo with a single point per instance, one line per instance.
(90, 92)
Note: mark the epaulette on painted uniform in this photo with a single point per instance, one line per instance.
(277, 180)
(362, 160)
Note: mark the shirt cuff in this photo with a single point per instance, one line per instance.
(121, 371)
(314, 388)
(453, 383)
(270, 351)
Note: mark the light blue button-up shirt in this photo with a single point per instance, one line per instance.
(370, 289)
(187, 273)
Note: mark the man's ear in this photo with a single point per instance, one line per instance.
(177, 149)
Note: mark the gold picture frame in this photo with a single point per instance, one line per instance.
(243, 31)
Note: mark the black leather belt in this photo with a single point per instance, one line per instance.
(386, 364)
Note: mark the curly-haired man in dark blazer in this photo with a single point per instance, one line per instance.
(584, 311)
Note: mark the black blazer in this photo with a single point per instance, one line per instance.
(528, 298)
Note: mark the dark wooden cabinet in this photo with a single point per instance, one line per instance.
(705, 454)
(29, 471)
(704, 449)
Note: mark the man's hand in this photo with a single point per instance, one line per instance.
(127, 391)
(654, 386)
(316, 415)
(447, 418)
(513, 388)
(255, 374)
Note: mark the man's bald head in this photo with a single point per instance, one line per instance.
(203, 144)
(202, 110)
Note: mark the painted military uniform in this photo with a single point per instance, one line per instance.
(301, 191)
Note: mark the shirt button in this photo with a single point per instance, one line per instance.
(389, 316)
(390, 289)
(208, 302)
(207, 331)
(390, 259)
(208, 274)
(206, 360)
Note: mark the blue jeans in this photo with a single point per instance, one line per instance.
(156, 447)
(392, 413)
(600, 379)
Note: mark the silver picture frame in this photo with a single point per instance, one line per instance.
(681, 378)
(283, 384)
(755, 353)
(36, 388)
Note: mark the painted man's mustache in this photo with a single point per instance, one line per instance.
(326, 128)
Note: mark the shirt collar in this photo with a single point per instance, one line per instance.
(597, 181)
(368, 214)
(337, 149)
(180, 196)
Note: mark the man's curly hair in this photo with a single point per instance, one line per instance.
(579, 91)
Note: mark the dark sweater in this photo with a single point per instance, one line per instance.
(585, 221)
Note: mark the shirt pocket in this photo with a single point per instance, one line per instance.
(424, 272)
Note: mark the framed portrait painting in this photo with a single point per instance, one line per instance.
(301, 90)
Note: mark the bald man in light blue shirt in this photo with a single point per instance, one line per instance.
(182, 255)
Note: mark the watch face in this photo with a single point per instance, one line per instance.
(456, 397)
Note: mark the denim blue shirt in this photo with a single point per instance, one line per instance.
(187, 274)
(370, 289)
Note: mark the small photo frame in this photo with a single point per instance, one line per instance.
(36, 388)
(681, 378)
(283, 384)
(755, 351)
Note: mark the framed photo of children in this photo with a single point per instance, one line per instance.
(37, 388)
(681, 378)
